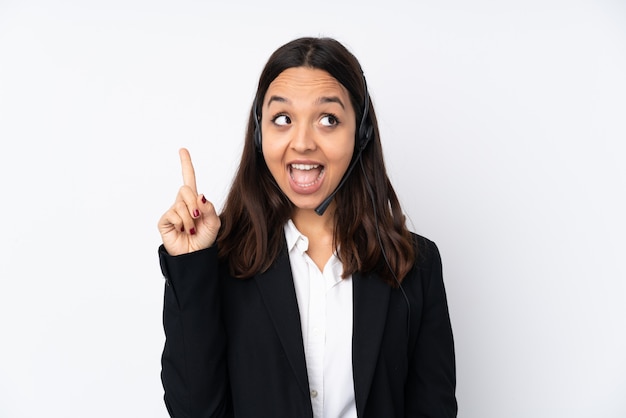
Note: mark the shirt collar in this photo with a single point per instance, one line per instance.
(298, 243)
(295, 239)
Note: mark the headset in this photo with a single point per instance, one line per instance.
(364, 135)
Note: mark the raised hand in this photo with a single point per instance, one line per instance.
(191, 224)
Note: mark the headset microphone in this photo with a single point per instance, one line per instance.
(324, 205)
(365, 134)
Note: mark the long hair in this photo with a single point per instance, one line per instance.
(255, 211)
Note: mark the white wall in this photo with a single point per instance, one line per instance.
(504, 127)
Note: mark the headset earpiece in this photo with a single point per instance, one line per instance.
(366, 129)
(365, 134)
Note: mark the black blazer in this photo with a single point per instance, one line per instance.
(234, 347)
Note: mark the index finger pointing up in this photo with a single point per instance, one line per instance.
(189, 175)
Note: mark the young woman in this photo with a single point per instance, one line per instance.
(307, 296)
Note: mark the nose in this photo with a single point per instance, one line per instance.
(303, 139)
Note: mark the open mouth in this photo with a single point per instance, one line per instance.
(306, 175)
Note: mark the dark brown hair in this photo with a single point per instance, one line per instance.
(256, 210)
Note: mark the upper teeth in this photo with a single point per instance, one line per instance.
(304, 166)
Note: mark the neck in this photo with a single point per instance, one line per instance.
(311, 224)
(319, 231)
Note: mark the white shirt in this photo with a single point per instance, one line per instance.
(325, 305)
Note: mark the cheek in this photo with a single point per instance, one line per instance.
(273, 159)
(270, 151)
(274, 146)
(343, 154)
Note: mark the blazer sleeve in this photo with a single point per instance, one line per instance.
(431, 383)
(194, 371)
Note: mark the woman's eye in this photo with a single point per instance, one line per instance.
(281, 120)
(329, 120)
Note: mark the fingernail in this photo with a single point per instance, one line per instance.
(182, 228)
(196, 213)
(203, 199)
(192, 231)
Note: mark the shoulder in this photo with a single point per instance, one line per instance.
(426, 251)
(427, 265)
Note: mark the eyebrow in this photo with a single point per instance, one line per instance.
(332, 99)
(321, 100)
(277, 99)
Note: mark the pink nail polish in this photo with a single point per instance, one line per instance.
(192, 231)
(196, 213)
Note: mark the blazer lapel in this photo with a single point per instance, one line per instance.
(371, 299)
(279, 294)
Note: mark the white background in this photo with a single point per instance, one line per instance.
(504, 129)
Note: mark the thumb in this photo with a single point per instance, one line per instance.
(209, 219)
(206, 207)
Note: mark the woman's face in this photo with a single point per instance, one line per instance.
(308, 130)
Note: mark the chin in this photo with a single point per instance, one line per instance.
(305, 203)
